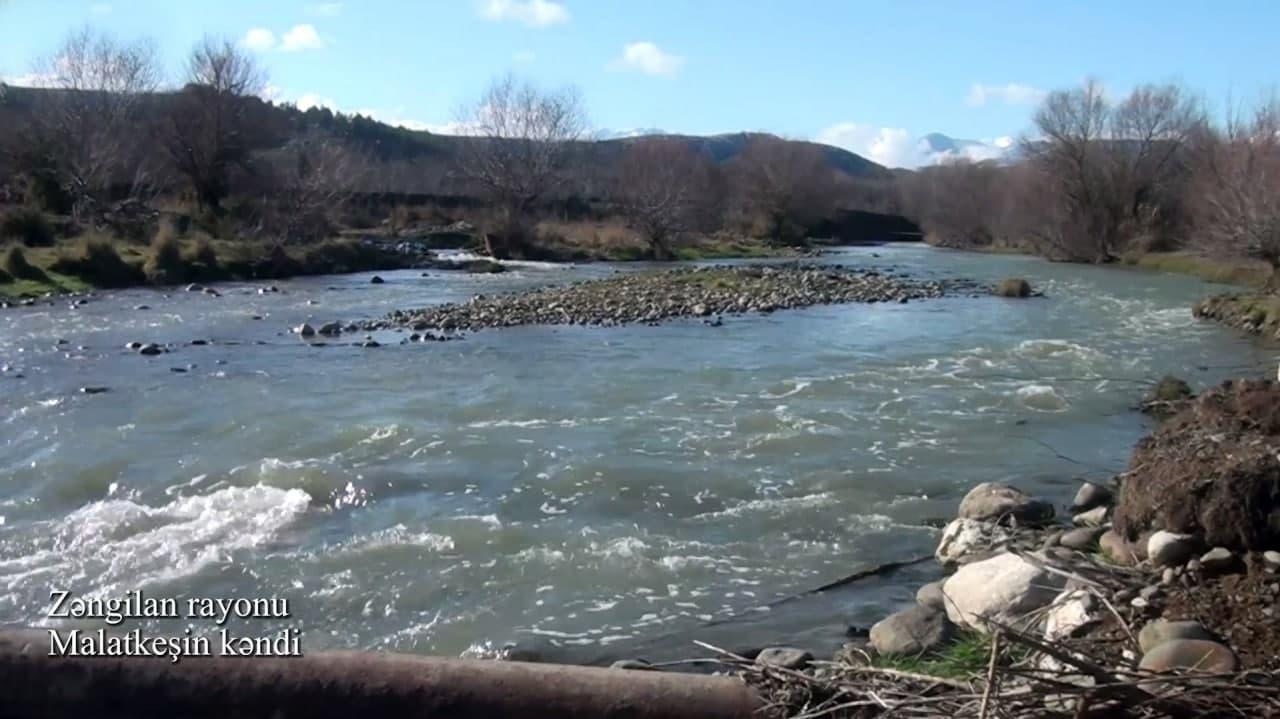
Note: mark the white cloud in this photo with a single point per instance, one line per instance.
(523, 57)
(31, 79)
(325, 9)
(301, 37)
(534, 13)
(648, 58)
(889, 146)
(308, 100)
(897, 147)
(100, 8)
(259, 39)
(1011, 94)
(271, 92)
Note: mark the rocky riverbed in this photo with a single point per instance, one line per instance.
(653, 297)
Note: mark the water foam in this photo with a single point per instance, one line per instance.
(117, 541)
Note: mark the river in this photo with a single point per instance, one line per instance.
(592, 493)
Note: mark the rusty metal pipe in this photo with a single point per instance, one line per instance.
(351, 685)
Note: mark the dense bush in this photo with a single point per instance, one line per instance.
(96, 261)
(28, 226)
(16, 264)
(164, 264)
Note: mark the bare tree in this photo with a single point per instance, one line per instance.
(83, 135)
(1237, 198)
(313, 179)
(662, 184)
(208, 132)
(786, 184)
(521, 146)
(959, 203)
(1112, 168)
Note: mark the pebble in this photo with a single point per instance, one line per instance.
(1271, 558)
(1091, 495)
(94, 390)
(1095, 517)
(1081, 539)
(1167, 549)
(1190, 655)
(1158, 631)
(1168, 576)
(1219, 560)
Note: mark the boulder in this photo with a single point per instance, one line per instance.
(1199, 655)
(1095, 517)
(1168, 549)
(1091, 495)
(930, 595)
(1013, 287)
(785, 657)
(912, 631)
(329, 329)
(1159, 631)
(968, 539)
(1081, 539)
(992, 502)
(150, 349)
(1219, 560)
(305, 330)
(1003, 588)
(376, 280)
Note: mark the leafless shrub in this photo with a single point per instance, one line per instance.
(787, 186)
(521, 145)
(662, 184)
(1237, 194)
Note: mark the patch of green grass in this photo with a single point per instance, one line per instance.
(964, 657)
(1232, 272)
(729, 250)
(53, 282)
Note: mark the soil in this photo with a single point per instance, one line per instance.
(1236, 608)
(1212, 470)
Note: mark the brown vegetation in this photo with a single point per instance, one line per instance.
(1211, 471)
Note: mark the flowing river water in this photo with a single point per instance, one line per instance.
(592, 493)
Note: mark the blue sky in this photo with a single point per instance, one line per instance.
(872, 76)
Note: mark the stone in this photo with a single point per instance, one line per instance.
(376, 280)
(1095, 517)
(199, 343)
(1159, 631)
(1219, 560)
(1150, 592)
(1081, 539)
(150, 350)
(135, 346)
(370, 344)
(992, 502)
(911, 631)
(968, 539)
(633, 664)
(1271, 558)
(1167, 549)
(1117, 548)
(1199, 655)
(785, 657)
(330, 329)
(930, 595)
(305, 330)
(1003, 588)
(94, 390)
(1091, 495)
(1069, 612)
(142, 307)
(194, 288)
(1168, 576)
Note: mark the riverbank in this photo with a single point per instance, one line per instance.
(1154, 599)
(654, 297)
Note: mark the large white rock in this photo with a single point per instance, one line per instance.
(1004, 588)
(964, 539)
